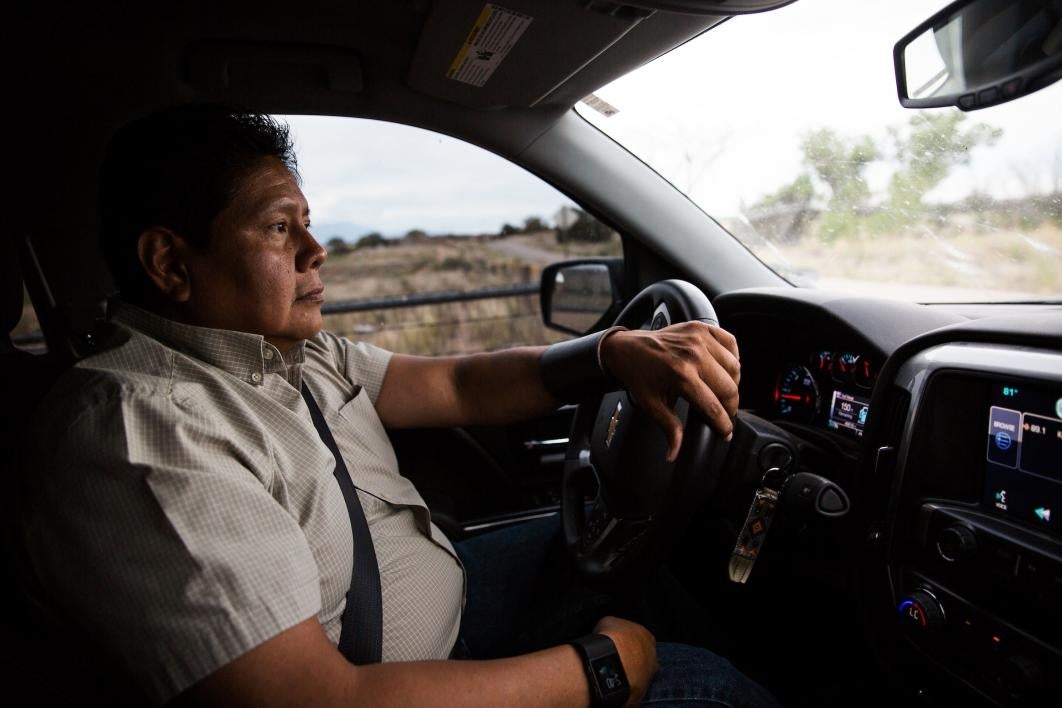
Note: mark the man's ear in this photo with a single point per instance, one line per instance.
(161, 253)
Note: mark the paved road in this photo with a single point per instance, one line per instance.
(524, 252)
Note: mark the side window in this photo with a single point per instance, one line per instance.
(435, 246)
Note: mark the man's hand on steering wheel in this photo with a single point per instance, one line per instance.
(692, 360)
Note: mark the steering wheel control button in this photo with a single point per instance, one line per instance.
(956, 543)
(596, 524)
(921, 612)
(775, 455)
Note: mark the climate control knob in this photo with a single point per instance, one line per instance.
(921, 611)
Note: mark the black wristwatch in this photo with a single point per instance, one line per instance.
(604, 670)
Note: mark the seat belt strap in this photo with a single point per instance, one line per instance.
(361, 639)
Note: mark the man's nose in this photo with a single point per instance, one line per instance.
(311, 253)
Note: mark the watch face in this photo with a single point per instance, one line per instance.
(610, 676)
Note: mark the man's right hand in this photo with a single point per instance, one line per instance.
(637, 649)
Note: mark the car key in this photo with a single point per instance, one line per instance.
(757, 523)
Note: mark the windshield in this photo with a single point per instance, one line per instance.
(786, 129)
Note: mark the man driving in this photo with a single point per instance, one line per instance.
(191, 526)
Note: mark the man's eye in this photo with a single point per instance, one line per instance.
(279, 227)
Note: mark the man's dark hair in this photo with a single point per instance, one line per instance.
(178, 169)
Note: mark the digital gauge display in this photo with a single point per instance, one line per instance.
(830, 388)
(797, 395)
(848, 412)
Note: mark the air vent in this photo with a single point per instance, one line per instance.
(892, 422)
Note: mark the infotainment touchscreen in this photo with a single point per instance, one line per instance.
(1024, 453)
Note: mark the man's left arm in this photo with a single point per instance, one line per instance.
(478, 389)
(691, 360)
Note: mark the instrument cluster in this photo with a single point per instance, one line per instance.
(828, 388)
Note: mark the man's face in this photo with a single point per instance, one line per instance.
(261, 270)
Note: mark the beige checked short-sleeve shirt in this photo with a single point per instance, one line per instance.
(185, 508)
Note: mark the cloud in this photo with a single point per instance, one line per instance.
(394, 178)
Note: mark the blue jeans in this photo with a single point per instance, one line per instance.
(524, 595)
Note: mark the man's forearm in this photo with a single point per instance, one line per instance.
(502, 387)
(478, 389)
(552, 677)
(300, 666)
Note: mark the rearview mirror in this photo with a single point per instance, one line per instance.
(581, 296)
(978, 53)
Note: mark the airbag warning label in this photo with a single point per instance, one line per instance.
(492, 37)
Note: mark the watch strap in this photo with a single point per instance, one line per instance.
(604, 670)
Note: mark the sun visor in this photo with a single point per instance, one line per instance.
(514, 54)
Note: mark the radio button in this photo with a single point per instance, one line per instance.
(956, 543)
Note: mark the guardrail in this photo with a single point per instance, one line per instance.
(34, 340)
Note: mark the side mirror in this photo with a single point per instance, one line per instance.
(978, 53)
(581, 296)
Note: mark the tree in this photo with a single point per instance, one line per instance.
(508, 230)
(784, 213)
(371, 240)
(840, 164)
(926, 152)
(337, 246)
(585, 228)
(799, 193)
(533, 224)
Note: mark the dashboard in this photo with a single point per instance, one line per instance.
(976, 542)
(945, 426)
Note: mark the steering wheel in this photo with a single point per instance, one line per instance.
(642, 500)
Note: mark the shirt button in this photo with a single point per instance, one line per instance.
(256, 377)
(268, 354)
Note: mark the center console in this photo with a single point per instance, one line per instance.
(975, 542)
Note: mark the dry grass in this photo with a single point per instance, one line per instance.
(449, 265)
(971, 260)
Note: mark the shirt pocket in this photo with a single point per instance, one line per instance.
(368, 453)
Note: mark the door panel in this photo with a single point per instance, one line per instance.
(476, 478)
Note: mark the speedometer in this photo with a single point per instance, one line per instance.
(797, 395)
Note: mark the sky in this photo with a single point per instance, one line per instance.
(739, 100)
(721, 117)
(395, 178)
